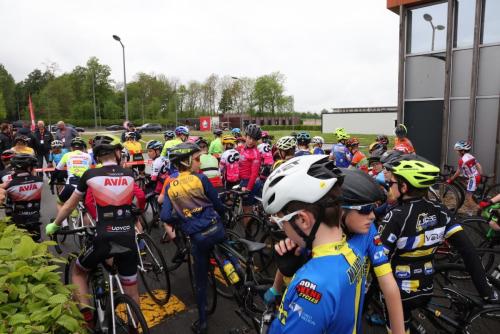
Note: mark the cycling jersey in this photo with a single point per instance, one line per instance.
(159, 171)
(5, 175)
(359, 161)
(170, 143)
(216, 147)
(23, 150)
(411, 233)
(195, 201)
(467, 165)
(318, 150)
(77, 162)
(25, 193)
(266, 154)
(133, 147)
(249, 165)
(404, 145)
(340, 153)
(56, 157)
(229, 165)
(112, 188)
(302, 152)
(322, 296)
(209, 165)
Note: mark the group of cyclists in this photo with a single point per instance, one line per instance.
(343, 213)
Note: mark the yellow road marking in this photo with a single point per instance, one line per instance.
(154, 313)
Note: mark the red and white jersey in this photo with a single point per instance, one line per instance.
(467, 165)
(266, 154)
(229, 165)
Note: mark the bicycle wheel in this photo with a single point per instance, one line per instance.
(484, 321)
(445, 194)
(211, 288)
(476, 229)
(224, 287)
(128, 317)
(153, 270)
(68, 268)
(265, 256)
(249, 224)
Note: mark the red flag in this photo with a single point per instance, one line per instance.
(32, 114)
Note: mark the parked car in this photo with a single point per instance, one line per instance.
(150, 127)
(53, 127)
(115, 128)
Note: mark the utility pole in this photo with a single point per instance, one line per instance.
(93, 95)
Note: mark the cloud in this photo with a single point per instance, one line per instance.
(333, 53)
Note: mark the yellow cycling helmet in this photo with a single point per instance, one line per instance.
(419, 174)
(228, 139)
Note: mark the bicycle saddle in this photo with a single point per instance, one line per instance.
(117, 249)
(252, 246)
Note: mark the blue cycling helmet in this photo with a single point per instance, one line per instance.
(181, 130)
(154, 145)
(236, 132)
(462, 145)
(303, 138)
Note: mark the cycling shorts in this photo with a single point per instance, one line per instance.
(66, 193)
(472, 183)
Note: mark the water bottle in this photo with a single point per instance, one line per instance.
(231, 273)
(237, 266)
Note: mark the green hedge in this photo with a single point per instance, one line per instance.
(33, 298)
(292, 128)
(106, 122)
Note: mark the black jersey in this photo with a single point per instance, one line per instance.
(24, 192)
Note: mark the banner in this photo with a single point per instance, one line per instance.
(32, 113)
(205, 123)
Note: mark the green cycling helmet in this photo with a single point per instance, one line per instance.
(341, 134)
(419, 174)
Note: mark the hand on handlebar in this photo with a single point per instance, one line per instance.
(51, 228)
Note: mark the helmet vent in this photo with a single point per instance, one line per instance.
(276, 180)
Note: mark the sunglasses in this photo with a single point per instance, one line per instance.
(390, 183)
(362, 209)
(280, 220)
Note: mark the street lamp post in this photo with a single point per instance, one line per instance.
(241, 111)
(116, 38)
(428, 18)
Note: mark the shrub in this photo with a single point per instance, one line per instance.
(33, 298)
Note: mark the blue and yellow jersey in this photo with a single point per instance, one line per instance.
(324, 295)
(195, 201)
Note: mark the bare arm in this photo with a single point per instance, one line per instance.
(390, 289)
(68, 207)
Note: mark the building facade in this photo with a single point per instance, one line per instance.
(449, 77)
(371, 120)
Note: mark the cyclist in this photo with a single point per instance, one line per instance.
(216, 148)
(468, 167)
(229, 162)
(266, 138)
(113, 189)
(168, 135)
(160, 166)
(321, 298)
(303, 140)
(21, 143)
(285, 149)
(181, 135)
(249, 165)
(318, 143)
(6, 173)
(196, 203)
(56, 153)
(134, 149)
(383, 140)
(340, 153)
(402, 143)
(266, 154)
(209, 165)
(24, 193)
(415, 227)
(358, 158)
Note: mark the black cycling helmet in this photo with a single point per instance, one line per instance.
(182, 151)
(217, 132)
(169, 134)
(200, 141)
(78, 142)
(7, 155)
(154, 145)
(23, 161)
(382, 139)
(391, 156)
(400, 131)
(23, 138)
(105, 144)
(253, 131)
(359, 188)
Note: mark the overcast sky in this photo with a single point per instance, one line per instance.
(333, 53)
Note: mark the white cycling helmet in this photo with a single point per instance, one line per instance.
(317, 140)
(306, 179)
(462, 145)
(286, 143)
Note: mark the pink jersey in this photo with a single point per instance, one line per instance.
(467, 165)
(266, 154)
(229, 165)
(249, 165)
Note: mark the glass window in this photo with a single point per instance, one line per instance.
(427, 28)
(491, 21)
(464, 18)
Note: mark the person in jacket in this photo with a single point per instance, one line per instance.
(43, 139)
(65, 134)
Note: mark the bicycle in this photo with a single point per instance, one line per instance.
(114, 311)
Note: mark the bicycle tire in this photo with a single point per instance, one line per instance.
(266, 255)
(123, 323)
(71, 260)
(224, 287)
(479, 226)
(487, 320)
(492, 191)
(155, 274)
(445, 194)
(253, 225)
(211, 288)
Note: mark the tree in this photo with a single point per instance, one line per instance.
(268, 94)
(8, 91)
(226, 101)
(3, 109)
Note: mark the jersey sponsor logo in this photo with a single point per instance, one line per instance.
(294, 307)
(355, 271)
(120, 181)
(409, 286)
(392, 238)
(424, 221)
(434, 236)
(308, 291)
(403, 272)
(377, 241)
(428, 269)
(232, 158)
(28, 187)
(378, 255)
(111, 228)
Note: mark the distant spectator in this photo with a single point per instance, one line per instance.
(21, 143)
(129, 127)
(5, 139)
(44, 139)
(65, 134)
(26, 131)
